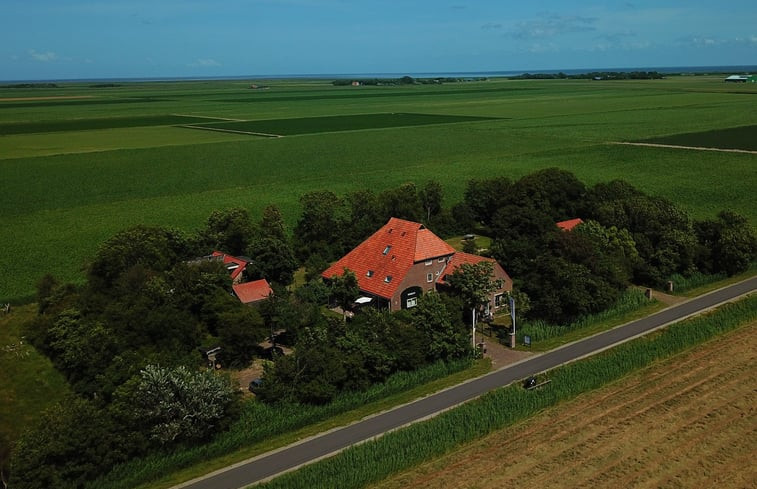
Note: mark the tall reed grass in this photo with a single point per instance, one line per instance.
(375, 460)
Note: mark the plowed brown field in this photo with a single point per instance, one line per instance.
(690, 421)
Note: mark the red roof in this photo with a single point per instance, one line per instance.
(254, 291)
(234, 265)
(460, 258)
(569, 224)
(382, 261)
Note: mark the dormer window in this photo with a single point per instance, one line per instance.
(369, 273)
(386, 250)
(388, 279)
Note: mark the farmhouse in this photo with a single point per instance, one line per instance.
(401, 261)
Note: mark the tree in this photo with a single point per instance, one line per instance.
(475, 284)
(272, 259)
(431, 197)
(486, 197)
(149, 248)
(344, 290)
(726, 244)
(321, 226)
(240, 331)
(272, 224)
(444, 339)
(401, 202)
(177, 405)
(73, 442)
(557, 193)
(229, 230)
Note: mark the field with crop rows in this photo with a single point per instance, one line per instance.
(690, 421)
(337, 123)
(80, 162)
(743, 138)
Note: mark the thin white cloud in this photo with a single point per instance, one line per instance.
(552, 25)
(43, 57)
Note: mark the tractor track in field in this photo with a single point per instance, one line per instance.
(675, 146)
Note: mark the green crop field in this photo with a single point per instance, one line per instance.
(335, 123)
(80, 162)
(740, 138)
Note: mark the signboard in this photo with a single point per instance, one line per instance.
(527, 340)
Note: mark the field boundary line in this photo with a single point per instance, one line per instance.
(233, 131)
(675, 146)
(211, 117)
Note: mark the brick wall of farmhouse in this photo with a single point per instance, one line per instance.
(417, 276)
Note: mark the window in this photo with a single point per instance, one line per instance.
(388, 279)
(411, 302)
(499, 300)
(429, 277)
(369, 273)
(386, 250)
(429, 262)
(441, 259)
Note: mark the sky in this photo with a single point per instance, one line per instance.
(77, 39)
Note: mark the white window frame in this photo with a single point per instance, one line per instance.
(429, 277)
(411, 302)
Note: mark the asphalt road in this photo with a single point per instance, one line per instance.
(269, 465)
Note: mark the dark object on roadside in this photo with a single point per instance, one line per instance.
(529, 383)
(255, 385)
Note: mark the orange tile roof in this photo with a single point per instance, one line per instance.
(569, 224)
(228, 259)
(460, 258)
(381, 261)
(254, 291)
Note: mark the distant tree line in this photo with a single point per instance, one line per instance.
(128, 339)
(405, 80)
(594, 75)
(30, 85)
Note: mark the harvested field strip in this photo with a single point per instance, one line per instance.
(313, 125)
(734, 138)
(686, 422)
(95, 124)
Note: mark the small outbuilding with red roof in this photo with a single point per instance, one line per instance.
(252, 292)
(400, 262)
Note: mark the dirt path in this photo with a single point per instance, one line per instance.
(674, 146)
(690, 421)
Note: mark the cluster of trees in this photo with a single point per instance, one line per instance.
(334, 356)
(627, 236)
(594, 75)
(127, 340)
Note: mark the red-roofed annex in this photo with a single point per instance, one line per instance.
(252, 292)
(569, 224)
(401, 261)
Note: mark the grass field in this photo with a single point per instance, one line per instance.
(73, 171)
(689, 421)
(29, 383)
